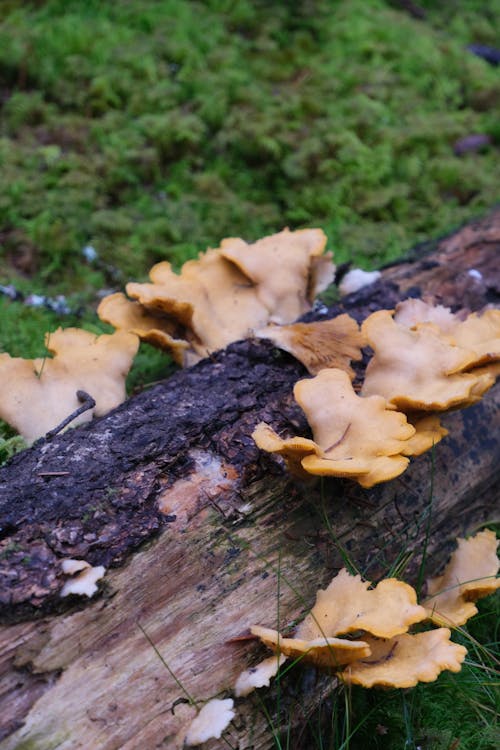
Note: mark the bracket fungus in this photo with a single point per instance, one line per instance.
(320, 345)
(481, 334)
(156, 329)
(362, 438)
(385, 652)
(470, 575)
(476, 332)
(426, 360)
(419, 368)
(213, 300)
(405, 660)
(288, 269)
(348, 605)
(258, 676)
(225, 294)
(328, 652)
(39, 394)
(428, 432)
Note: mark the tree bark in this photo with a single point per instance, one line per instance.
(202, 535)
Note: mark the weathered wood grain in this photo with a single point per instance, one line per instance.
(203, 536)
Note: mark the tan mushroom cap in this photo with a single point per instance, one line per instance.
(469, 576)
(293, 449)
(168, 293)
(159, 331)
(357, 437)
(384, 469)
(481, 334)
(329, 653)
(405, 660)
(413, 311)
(38, 394)
(218, 298)
(476, 332)
(214, 301)
(428, 432)
(348, 605)
(284, 269)
(353, 436)
(418, 369)
(320, 345)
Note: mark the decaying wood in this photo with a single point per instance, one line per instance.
(203, 536)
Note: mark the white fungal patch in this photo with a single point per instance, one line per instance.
(212, 720)
(357, 279)
(475, 274)
(258, 676)
(83, 584)
(70, 566)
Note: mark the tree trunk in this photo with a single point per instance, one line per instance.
(202, 535)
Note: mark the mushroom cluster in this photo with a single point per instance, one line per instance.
(360, 438)
(371, 635)
(225, 294)
(362, 633)
(219, 298)
(425, 361)
(424, 368)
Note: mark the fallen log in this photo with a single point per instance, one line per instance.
(202, 535)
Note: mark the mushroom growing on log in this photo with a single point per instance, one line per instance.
(199, 531)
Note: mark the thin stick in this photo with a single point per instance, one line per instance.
(87, 402)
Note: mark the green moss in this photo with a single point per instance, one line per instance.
(457, 708)
(150, 366)
(153, 130)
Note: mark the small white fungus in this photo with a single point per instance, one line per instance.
(83, 584)
(211, 721)
(258, 676)
(70, 566)
(357, 279)
(475, 274)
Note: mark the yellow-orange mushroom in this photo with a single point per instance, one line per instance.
(470, 575)
(356, 437)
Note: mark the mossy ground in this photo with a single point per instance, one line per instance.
(150, 130)
(458, 711)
